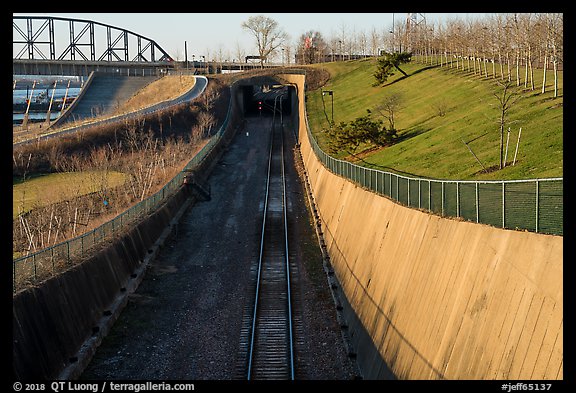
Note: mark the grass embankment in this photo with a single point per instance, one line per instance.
(163, 89)
(430, 145)
(47, 189)
(52, 188)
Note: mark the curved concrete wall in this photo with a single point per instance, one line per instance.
(57, 325)
(439, 298)
(52, 321)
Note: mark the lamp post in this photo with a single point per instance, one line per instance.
(331, 94)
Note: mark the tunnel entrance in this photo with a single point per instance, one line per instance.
(265, 99)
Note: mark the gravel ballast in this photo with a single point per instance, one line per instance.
(185, 320)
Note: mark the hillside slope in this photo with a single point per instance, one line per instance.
(430, 143)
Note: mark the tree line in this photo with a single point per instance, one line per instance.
(507, 39)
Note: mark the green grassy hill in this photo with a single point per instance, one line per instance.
(46, 189)
(430, 145)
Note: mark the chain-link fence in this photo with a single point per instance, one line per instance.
(535, 205)
(49, 261)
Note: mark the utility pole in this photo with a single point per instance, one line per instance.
(186, 54)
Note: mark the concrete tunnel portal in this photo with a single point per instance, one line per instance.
(262, 99)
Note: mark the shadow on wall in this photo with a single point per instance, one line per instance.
(371, 363)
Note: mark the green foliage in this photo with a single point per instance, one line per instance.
(387, 62)
(348, 136)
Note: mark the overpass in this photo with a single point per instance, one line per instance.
(129, 68)
(98, 47)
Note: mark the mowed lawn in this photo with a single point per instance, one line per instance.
(51, 188)
(431, 145)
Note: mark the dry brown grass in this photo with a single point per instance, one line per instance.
(166, 88)
(30, 131)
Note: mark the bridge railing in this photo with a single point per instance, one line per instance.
(42, 264)
(534, 205)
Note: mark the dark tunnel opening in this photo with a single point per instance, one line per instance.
(264, 100)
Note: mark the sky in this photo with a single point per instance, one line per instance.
(209, 33)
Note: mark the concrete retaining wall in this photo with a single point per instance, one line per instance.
(439, 298)
(52, 321)
(58, 324)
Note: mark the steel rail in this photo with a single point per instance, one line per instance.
(267, 322)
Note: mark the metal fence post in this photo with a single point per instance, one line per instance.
(408, 192)
(370, 177)
(457, 199)
(537, 200)
(419, 194)
(429, 195)
(477, 207)
(442, 198)
(503, 205)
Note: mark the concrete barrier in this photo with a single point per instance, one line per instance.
(439, 298)
(58, 324)
(52, 321)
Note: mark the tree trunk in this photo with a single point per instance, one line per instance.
(517, 68)
(508, 66)
(501, 139)
(544, 74)
(398, 68)
(493, 69)
(555, 78)
(532, 74)
(526, 71)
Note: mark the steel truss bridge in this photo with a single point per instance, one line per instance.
(38, 49)
(90, 46)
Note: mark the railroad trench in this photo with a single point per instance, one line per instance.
(190, 317)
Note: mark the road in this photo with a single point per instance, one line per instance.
(184, 321)
(197, 89)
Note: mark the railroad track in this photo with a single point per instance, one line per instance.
(269, 341)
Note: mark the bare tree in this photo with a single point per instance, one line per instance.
(268, 34)
(311, 47)
(342, 40)
(287, 53)
(527, 25)
(506, 99)
(389, 108)
(240, 52)
(334, 46)
(556, 32)
(374, 41)
(363, 43)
